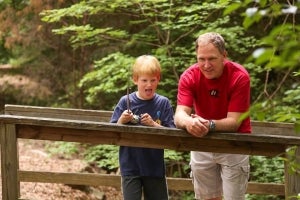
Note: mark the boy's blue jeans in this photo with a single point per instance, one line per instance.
(153, 188)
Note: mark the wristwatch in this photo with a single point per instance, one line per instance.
(212, 126)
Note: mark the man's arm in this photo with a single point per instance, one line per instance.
(182, 114)
(199, 127)
(229, 124)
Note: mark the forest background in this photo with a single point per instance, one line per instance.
(78, 54)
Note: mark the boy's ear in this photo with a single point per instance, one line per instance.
(135, 79)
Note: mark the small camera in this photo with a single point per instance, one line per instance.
(135, 119)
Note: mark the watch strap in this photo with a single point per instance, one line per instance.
(212, 126)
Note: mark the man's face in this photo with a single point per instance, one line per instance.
(210, 60)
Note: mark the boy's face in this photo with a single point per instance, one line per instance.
(146, 86)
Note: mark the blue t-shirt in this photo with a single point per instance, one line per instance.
(138, 161)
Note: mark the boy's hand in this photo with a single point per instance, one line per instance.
(147, 120)
(126, 117)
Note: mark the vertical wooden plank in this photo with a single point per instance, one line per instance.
(292, 180)
(9, 162)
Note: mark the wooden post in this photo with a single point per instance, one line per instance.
(9, 162)
(292, 180)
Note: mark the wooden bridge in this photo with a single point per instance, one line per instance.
(91, 126)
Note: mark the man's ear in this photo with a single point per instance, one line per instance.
(225, 54)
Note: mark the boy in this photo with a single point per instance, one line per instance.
(143, 169)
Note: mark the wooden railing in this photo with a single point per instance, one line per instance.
(90, 126)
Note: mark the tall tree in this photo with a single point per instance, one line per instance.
(126, 29)
(278, 54)
(35, 52)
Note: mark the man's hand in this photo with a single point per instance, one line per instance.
(194, 124)
(197, 126)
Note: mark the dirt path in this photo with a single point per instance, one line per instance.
(32, 156)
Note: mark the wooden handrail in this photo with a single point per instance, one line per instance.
(169, 138)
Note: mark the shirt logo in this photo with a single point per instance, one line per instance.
(214, 93)
(158, 120)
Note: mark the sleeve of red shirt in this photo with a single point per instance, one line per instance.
(185, 91)
(240, 97)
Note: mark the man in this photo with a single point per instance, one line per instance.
(218, 91)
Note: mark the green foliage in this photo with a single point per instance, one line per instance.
(266, 170)
(81, 9)
(277, 53)
(63, 149)
(82, 34)
(105, 156)
(111, 77)
(16, 4)
(181, 195)
(263, 197)
(177, 163)
(281, 47)
(4, 54)
(164, 29)
(76, 10)
(256, 77)
(293, 164)
(281, 109)
(86, 35)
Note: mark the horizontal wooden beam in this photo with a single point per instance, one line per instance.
(62, 113)
(258, 127)
(178, 184)
(173, 140)
(168, 138)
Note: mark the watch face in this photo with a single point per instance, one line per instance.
(212, 126)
